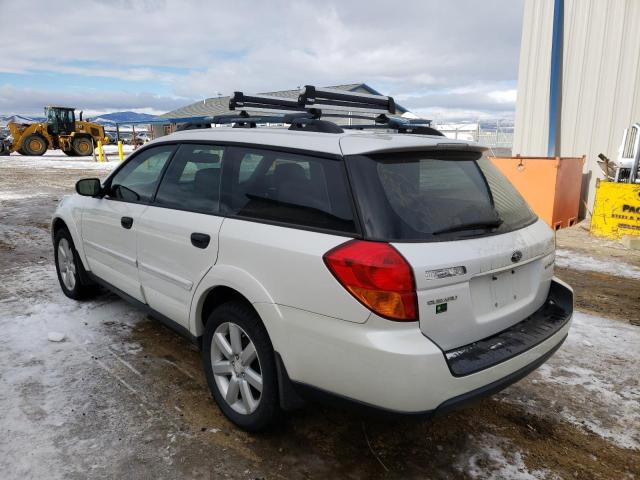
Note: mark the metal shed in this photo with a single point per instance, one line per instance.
(600, 80)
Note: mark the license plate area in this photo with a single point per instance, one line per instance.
(501, 290)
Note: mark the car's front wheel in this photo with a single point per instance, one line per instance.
(240, 366)
(71, 274)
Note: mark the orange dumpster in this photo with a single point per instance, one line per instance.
(550, 185)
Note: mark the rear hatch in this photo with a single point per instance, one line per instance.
(495, 291)
(481, 259)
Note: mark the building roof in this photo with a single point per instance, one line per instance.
(220, 105)
(351, 142)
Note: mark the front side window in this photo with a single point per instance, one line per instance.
(290, 188)
(434, 196)
(192, 181)
(137, 180)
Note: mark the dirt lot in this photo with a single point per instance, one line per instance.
(124, 397)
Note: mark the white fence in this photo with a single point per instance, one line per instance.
(497, 137)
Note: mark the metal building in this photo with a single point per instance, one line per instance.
(600, 94)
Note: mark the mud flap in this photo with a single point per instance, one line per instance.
(289, 398)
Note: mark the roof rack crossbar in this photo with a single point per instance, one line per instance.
(243, 116)
(409, 129)
(240, 101)
(314, 97)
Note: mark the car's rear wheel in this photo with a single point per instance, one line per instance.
(72, 276)
(240, 366)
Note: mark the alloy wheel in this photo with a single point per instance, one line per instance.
(236, 368)
(66, 264)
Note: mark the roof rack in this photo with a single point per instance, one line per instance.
(305, 112)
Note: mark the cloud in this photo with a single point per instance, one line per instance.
(29, 101)
(197, 48)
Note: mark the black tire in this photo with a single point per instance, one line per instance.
(268, 410)
(82, 287)
(70, 153)
(34, 144)
(82, 146)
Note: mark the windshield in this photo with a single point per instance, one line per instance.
(434, 196)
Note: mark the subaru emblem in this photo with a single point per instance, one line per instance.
(516, 256)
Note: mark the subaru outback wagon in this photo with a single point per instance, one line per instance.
(391, 271)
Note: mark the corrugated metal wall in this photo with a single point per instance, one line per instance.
(601, 79)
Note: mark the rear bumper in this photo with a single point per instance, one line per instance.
(389, 366)
(537, 327)
(298, 391)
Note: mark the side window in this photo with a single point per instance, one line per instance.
(290, 188)
(248, 165)
(137, 180)
(192, 180)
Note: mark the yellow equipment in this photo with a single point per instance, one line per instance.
(616, 211)
(60, 130)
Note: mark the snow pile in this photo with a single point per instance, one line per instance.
(55, 337)
(495, 458)
(579, 261)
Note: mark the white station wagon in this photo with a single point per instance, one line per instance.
(391, 269)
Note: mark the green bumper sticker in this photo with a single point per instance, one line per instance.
(442, 307)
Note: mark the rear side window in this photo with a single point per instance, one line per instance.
(434, 196)
(137, 180)
(192, 181)
(289, 188)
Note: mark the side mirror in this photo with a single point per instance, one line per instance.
(88, 187)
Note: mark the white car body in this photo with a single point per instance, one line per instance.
(327, 340)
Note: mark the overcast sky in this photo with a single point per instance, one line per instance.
(441, 59)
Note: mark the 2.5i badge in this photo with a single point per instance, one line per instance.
(441, 303)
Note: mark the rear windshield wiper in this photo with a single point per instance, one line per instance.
(471, 226)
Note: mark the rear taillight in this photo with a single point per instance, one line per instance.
(377, 275)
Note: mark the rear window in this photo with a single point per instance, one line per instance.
(434, 196)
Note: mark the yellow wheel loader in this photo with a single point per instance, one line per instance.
(60, 130)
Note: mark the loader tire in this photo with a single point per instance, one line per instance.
(34, 145)
(70, 153)
(82, 146)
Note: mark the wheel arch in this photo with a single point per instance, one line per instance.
(63, 218)
(223, 283)
(215, 297)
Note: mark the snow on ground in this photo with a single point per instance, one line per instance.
(56, 159)
(42, 381)
(505, 462)
(597, 371)
(579, 261)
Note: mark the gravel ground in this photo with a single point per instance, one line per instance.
(123, 397)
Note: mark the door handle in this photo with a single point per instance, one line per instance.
(126, 222)
(200, 240)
